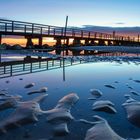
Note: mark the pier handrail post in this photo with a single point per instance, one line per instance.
(39, 64)
(23, 65)
(54, 32)
(62, 31)
(89, 35)
(41, 30)
(52, 62)
(128, 38)
(31, 67)
(48, 30)
(4, 71)
(11, 70)
(60, 63)
(73, 33)
(12, 26)
(25, 29)
(71, 61)
(114, 34)
(95, 35)
(101, 35)
(81, 33)
(5, 27)
(47, 65)
(32, 28)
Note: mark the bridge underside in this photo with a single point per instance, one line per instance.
(77, 41)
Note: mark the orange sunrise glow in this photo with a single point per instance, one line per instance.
(22, 41)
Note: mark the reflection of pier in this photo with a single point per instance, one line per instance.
(14, 68)
(32, 65)
(110, 49)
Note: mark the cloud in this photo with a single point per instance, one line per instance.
(119, 23)
(127, 31)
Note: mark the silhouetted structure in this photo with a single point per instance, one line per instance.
(38, 31)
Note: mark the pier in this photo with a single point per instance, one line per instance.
(38, 31)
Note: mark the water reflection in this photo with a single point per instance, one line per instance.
(69, 52)
(80, 79)
(28, 64)
(94, 72)
(32, 65)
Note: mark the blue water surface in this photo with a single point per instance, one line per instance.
(78, 79)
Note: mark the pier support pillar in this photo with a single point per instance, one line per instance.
(58, 46)
(109, 43)
(76, 42)
(86, 52)
(39, 57)
(67, 42)
(0, 39)
(86, 42)
(40, 40)
(125, 43)
(27, 58)
(92, 42)
(58, 42)
(29, 42)
(116, 43)
(101, 43)
(66, 45)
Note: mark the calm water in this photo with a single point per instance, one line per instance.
(79, 79)
(15, 57)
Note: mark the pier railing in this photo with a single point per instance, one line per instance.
(11, 27)
(15, 68)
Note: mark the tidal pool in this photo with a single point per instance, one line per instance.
(78, 79)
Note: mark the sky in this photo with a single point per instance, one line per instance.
(97, 15)
(116, 13)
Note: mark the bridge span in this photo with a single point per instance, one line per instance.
(38, 31)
